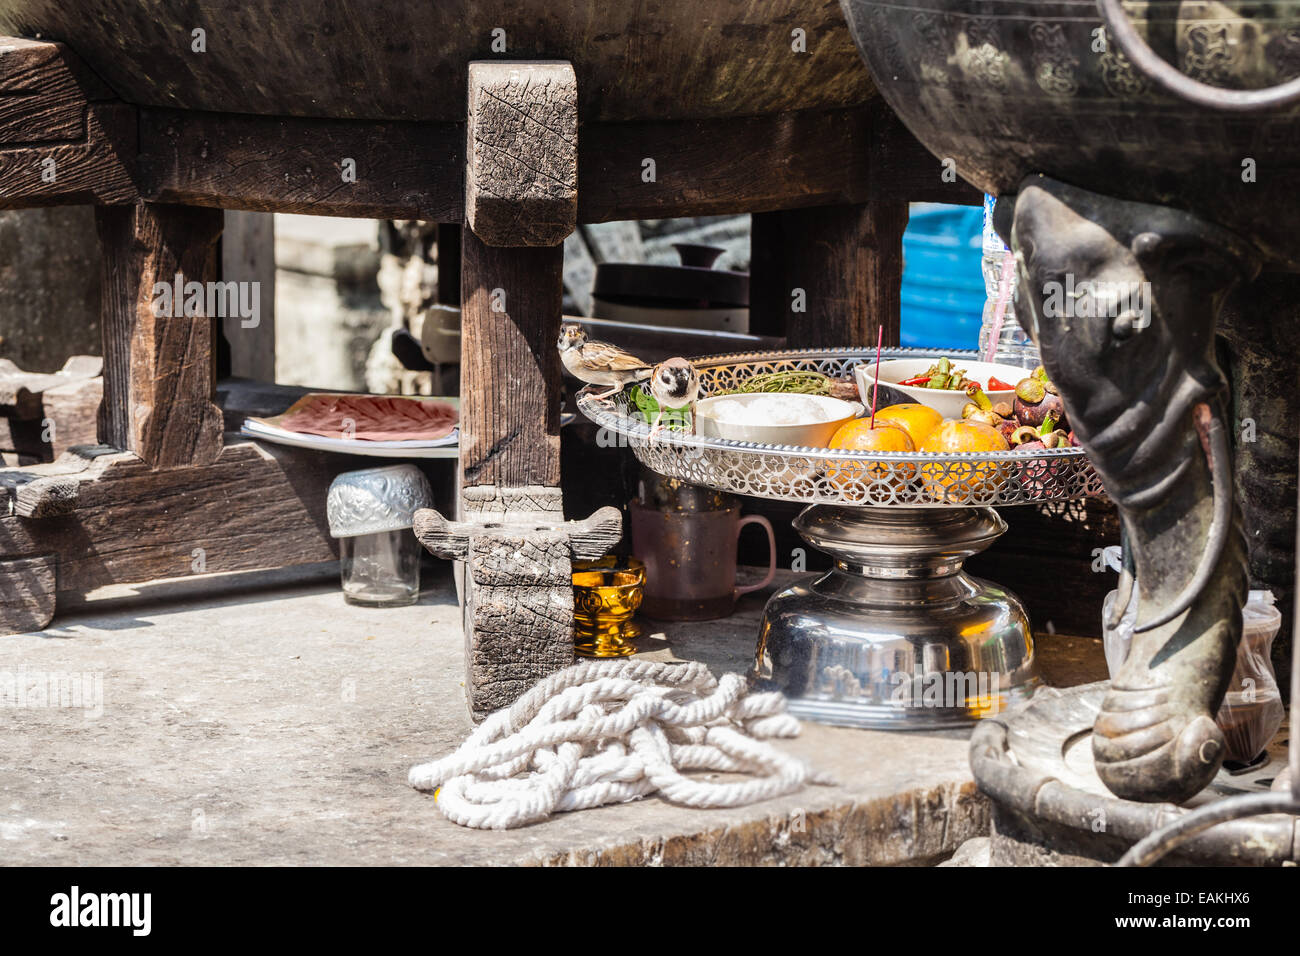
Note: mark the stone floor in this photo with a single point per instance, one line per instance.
(273, 724)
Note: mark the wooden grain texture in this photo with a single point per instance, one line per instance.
(404, 60)
(159, 372)
(899, 167)
(746, 164)
(276, 164)
(521, 152)
(414, 171)
(95, 168)
(589, 538)
(830, 274)
(72, 411)
(61, 141)
(254, 507)
(47, 497)
(510, 369)
(809, 157)
(44, 414)
(27, 593)
(248, 255)
(518, 614)
(42, 99)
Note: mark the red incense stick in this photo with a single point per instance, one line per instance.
(875, 388)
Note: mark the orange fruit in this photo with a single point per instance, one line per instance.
(858, 435)
(959, 479)
(915, 419)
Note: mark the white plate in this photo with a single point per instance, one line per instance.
(946, 402)
(829, 415)
(436, 448)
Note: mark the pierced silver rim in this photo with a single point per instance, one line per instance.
(829, 476)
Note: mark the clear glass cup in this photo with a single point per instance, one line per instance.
(381, 570)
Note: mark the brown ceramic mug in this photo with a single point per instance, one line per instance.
(690, 560)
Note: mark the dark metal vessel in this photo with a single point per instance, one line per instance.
(1006, 88)
(1147, 156)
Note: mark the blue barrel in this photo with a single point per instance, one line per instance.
(943, 288)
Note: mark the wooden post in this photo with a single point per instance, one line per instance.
(509, 366)
(448, 291)
(832, 272)
(159, 374)
(248, 255)
(516, 548)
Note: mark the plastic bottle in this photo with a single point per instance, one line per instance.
(1013, 345)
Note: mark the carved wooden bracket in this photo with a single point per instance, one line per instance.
(588, 539)
(517, 589)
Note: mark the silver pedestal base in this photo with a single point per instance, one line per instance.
(896, 636)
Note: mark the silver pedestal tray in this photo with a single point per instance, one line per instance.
(896, 635)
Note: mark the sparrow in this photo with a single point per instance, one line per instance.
(599, 363)
(674, 383)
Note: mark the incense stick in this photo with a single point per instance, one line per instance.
(875, 388)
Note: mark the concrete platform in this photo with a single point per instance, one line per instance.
(274, 724)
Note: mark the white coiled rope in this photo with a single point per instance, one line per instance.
(611, 731)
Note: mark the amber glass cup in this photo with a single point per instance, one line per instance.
(606, 595)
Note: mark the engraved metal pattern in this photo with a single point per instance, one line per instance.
(1009, 90)
(375, 500)
(827, 476)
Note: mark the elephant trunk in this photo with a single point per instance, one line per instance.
(1155, 738)
(1144, 395)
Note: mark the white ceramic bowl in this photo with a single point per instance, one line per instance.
(825, 415)
(947, 402)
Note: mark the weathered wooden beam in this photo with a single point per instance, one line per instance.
(26, 593)
(830, 274)
(521, 152)
(416, 171)
(44, 91)
(301, 165)
(897, 166)
(516, 584)
(122, 522)
(510, 369)
(756, 164)
(62, 139)
(159, 371)
(248, 255)
(714, 167)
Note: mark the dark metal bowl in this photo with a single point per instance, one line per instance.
(1007, 88)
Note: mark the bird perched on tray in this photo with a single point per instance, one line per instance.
(674, 383)
(599, 363)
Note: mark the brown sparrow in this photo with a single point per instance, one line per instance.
(674, 383)
(599, 363)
